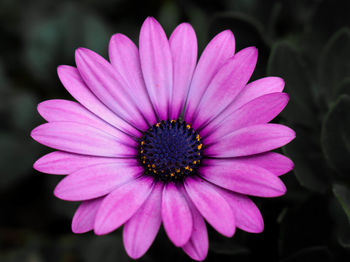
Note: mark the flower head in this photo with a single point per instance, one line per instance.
(158, 138)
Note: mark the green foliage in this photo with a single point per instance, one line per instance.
(335, 136)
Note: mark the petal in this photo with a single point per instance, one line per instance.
(124, 57)
(156, 63)
(275, 163)
(176, 215)
(220, 48)
(247, 214)
(258, 111)
(120, 205)
(63, 163)
(183, 46)
(81, 139)
(109, 86)
(260, 87)
(197, 246)
(225, 86)
(96, 181)
(242, 178)
(58, 110)
(84, 218)
(141, 230)
(250, 140)
(72, 81)
(211, 205)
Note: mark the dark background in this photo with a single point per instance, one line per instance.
(307, 42)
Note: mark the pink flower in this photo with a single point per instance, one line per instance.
(134, 159)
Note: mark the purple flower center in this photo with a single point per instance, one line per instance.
(170, 150)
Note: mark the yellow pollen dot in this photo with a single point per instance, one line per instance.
(155, 171)
(191, 169)
(171, 174)
(153, 165)
(149, 165)
(194, 162)
(157, 125)
(200, 146)
(144, 162)
(141, 151)
(172, 121)
(188, 126)
(187, 167)
(177, 170)
(142, 143)
(199, 154)
(162, 171)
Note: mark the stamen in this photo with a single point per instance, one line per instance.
(170, 151)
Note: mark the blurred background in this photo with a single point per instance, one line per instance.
(307, 42)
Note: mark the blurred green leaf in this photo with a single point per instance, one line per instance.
(24, 115)
(338, 211)
(343, 88)
(310, 168)
(342, 194)
(17, 155)
(50, 40)
(247, 30)
(169, 16)
(199, 20)
(335, 136)
(335, 63)
(285, 62)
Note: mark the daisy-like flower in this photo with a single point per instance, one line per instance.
(158, 138)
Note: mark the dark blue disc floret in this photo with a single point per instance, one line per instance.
(170, 150)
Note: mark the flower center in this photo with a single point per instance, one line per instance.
(170, 150)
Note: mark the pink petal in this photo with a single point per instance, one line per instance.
(82, 139)
(68, 111)
(260, 87)
(242, 178)
(275, 163)
(95, 181)
(183, 45)
(220, 48)
(258, 111)
(72, 81)
(226, 85)
(176, 215)
(253, 90)
(84, 218)
(125, 58)
(250, 140)
(156, 63)
(247, 214)
(63, 163)
(109, 86)
(211, 205)
(120, 205)
(197, 246)
(142, 228)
